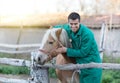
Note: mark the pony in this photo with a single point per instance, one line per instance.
(53, 39)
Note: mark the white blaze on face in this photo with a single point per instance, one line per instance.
(40, 56)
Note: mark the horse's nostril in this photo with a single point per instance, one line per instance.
(39, 58)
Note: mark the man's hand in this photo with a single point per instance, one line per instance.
(53, 53)
(58, 51)
(61, 50)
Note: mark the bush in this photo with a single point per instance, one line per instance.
(107, 76)
(52, 73)
(111, 76)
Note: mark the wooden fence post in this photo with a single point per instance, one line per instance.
(102, 39)
(39, 74)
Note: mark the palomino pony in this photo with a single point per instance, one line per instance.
(52, 40)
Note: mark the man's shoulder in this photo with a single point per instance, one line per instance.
(82, 25)
(58, 26)
(61, 26)
(86, 29)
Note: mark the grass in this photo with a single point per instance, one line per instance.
(16, 56)
(110, 59)
(5, 69)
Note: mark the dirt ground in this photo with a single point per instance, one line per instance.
(25, 77)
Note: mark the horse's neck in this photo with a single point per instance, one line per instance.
(67, 59)
(65, 39)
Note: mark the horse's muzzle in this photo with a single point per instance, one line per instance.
(40, 58)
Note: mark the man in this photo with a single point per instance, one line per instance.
(84, 48)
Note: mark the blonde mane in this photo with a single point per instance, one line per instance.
(64, 39)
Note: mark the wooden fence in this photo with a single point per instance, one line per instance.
(39, 73)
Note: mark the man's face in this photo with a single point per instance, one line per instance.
(74, 24)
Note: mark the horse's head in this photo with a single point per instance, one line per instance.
(51, 41)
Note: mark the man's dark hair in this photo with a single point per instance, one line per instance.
(74, 16)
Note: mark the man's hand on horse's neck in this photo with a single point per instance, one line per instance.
(57, 51)
(61, 50)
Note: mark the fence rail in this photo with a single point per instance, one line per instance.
(21, 62)
(15, 62)
(82, 66)
(12, 46)
(19, 46)
(6, 80)
(17, 52)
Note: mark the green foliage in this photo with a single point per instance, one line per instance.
(110, 59)
(116, 81)
(106, 77)
(52, 73)
(111, 76)
(2, 55)
(5, 69)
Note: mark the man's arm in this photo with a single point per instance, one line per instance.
(85, 47)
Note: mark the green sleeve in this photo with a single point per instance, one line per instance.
(85, 47)
(58, 26)
(65, 27)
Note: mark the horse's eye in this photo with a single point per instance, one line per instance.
(50, 42)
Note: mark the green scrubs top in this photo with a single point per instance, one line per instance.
(84, 50)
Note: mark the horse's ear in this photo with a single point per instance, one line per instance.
(58, 32)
